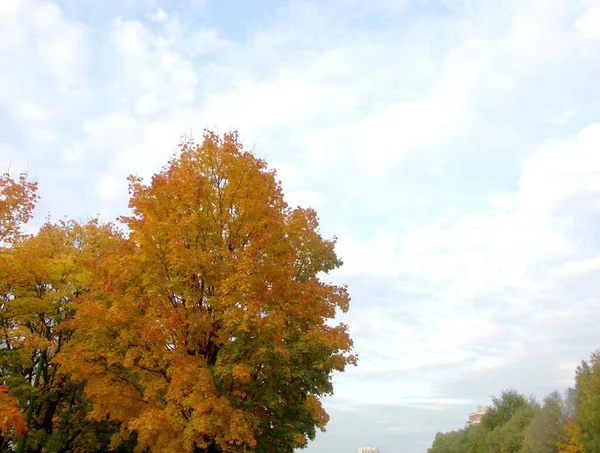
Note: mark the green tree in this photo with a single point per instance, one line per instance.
(475, 440)
(451, 442)
(469, 440)
(587, 389)
(546, 428)
(504, 408)
(509, 437)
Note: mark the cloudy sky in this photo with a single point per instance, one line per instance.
(453, 146)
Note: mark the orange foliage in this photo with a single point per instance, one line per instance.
(40, 276)
(11, 417)
(17, 200)
(209, 329)
(569, 442)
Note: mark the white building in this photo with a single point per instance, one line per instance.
(475, 417)
(368, 450)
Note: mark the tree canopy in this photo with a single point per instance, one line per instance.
(204, 327)
(565, 423)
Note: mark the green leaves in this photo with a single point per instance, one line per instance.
(568, 423)
(501, 430)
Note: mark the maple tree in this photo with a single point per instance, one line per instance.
(17, 200)
(210, 330)
(42, 274)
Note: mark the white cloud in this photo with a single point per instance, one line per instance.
(160, 15)
(487, 290)
(589, 23)
(28, 111)
(42, 65)
(452, 148)
(561, 171)
(153, 78)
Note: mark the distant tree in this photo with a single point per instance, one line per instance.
(504, 408)
(474, 440)
(509, 437)
(569, 441)
(546, 427)
(567, 423)
(587, 390)
(501, 430)
(451, 442)
(569, 409)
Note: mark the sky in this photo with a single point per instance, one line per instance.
(452, 146)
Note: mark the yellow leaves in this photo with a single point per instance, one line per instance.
(241, 373)
(129, 359)
(17, 200)
(228, 426)
(240, 432)
(113, 393)
(316, 409)
(155, 428)
(569, 441)
(42, 276)
(300, 440)
(30, 344)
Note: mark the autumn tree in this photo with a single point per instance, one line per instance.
(12, 422)
(570, 439)
(211, 329)
(17, 200)
(42, 276)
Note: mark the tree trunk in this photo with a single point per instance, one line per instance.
(29, 414)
